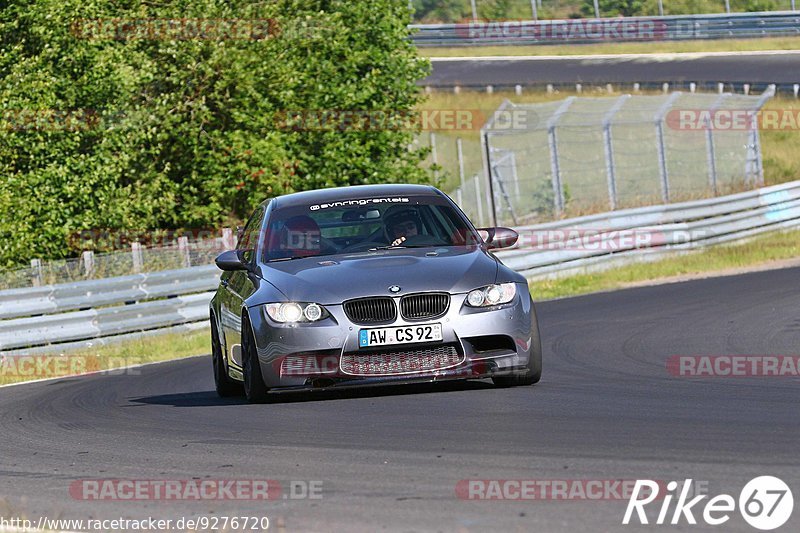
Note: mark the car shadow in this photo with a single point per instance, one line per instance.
(211, 399)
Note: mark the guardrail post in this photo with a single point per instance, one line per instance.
(136, 256)
(555, 168)
(183, 249)
(611, 170)
(36, 272)
(87, 258)
(661, 145)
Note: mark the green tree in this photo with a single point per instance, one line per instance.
(127, 133)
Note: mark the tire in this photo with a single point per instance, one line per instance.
(533, 371)
(255, 390)
(225, 386)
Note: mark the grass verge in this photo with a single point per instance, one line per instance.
(724, 45)
(111, 357)
(728, 259)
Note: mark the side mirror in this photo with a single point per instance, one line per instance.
(499, 238)
(230, 261)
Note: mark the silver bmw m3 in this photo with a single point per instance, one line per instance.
(364, 285)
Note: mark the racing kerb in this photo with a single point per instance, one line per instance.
(43, 318)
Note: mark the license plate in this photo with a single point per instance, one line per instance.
(399, 335)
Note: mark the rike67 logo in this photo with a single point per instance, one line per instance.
(765, 503)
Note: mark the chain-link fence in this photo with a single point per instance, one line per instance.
(587, 155)
(137, 258)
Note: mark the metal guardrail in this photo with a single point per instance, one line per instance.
(93, 323)
(666, 28)
(670, 228)
(563, 247)
(95, 293)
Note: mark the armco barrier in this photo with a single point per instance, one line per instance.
(668, 28)
(677, 228)
(109, 291)
(92, 323)
(670, 228)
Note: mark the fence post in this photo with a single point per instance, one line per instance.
(183, 249)
(36, 272)
(552, 141)
(514, 174)
(434, 156)
(478, 198)
(661, 145)
(87, 258)
(710, 152)
(611, 170)
(136, 255)
(227, 239)
(460, 152)
(755, 139)
(487, 156)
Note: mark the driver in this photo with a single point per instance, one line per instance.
(401, 224)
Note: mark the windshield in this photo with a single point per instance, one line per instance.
(363, 225)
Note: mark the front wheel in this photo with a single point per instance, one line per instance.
(224, 385)
(533, 371)
(254, 388)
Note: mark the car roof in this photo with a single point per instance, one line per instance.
(335, 194)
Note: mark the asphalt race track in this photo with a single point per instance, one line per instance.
(390, 459)
(648, 69)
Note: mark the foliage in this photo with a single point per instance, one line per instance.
(131, 131)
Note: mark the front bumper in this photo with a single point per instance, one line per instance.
(489, 342)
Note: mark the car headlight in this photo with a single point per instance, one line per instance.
(291, 312)
(492, 295)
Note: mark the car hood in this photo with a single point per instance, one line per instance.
(333, 279)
